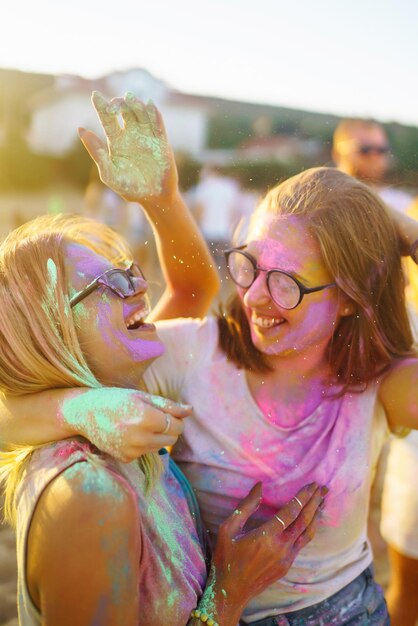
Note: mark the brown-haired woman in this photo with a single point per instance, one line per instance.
(302, 377)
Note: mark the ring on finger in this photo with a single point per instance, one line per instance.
(279, 519)
(298, 501)
(167, 424)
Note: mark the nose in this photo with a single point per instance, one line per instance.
(140, 284)
(257, 294)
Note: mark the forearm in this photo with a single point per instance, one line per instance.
(36, 418)
(191, 277)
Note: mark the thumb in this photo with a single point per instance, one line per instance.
(97, 149)
(245, 509)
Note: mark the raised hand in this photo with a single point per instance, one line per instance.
(124, 423)
(137, 162)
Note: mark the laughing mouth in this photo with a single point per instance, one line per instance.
(266, 322)
(137, 319)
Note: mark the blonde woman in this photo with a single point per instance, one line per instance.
(100, 542)
(304, 375)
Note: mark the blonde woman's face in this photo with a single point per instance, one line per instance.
(285, 243)
(116, 354)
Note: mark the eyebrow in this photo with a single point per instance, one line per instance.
(303, 280)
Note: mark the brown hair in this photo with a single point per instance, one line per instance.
(359, 248)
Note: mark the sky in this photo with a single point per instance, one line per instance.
(351, 58)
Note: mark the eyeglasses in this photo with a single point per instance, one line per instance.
(120, 282)
(284, 289)
(369, 149)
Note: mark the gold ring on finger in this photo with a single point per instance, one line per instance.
(280, 520)
(167, 424)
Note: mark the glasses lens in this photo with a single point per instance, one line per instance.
(284, 290)
(120, 282)
(240, 269)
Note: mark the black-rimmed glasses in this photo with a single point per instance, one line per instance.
(120, 282)
(284, 289)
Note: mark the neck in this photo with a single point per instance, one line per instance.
(308, 364)
(294, 388)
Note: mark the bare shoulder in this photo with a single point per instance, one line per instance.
(402, 370)
(85, 522)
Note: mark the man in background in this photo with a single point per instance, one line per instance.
(361, 148)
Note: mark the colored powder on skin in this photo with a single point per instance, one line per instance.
(91, 413)
(143, 171)
(95, 479)
(102, 607)
(118, 569)
(140, 349)
(207, 603)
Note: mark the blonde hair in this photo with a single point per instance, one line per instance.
(39, 347)
(360, 250)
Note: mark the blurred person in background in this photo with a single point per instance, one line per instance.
(216, 201)
(104, 205)
(361, 148)
(399, 524)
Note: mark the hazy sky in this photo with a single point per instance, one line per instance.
(355, 57)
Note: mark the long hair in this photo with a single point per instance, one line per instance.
(39, 347)
(359, 248)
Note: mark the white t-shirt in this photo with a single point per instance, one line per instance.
(229, 444)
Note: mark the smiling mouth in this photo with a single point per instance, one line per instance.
(266, 322)
(137, 320)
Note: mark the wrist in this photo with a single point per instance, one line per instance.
(219, 601)
(155, 204)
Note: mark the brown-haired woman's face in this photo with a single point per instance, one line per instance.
(116, 353)
(285, 243)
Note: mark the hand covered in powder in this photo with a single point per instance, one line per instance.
(124, 423)
(246, 563)
(137, 161)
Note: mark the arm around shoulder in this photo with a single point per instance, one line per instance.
(83, 550)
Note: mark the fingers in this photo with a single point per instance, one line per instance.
(97, 150)
(137, 108)
(307, 514)
(166, 424)
(176, 409)
(155, 118)
(235, 522)
(308, 534)
(291, 511)
(107, 113)
(146, 113)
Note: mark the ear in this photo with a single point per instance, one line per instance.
(347, 307)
